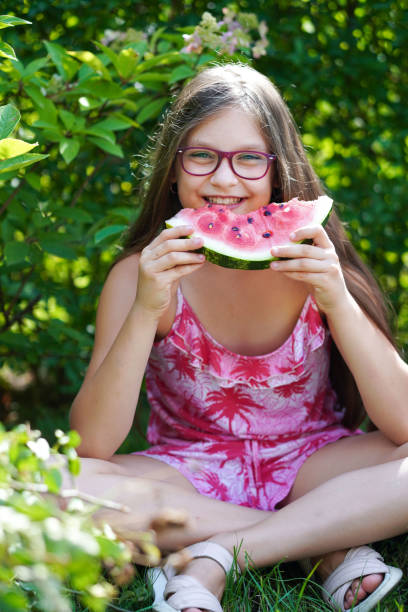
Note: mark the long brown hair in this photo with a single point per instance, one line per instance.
(239, 86)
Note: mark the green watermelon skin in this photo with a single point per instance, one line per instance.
(226, 261)
(248, 262)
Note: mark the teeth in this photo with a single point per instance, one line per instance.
(225, 201)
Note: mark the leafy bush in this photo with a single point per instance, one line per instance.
(89, 110)
(46, 552)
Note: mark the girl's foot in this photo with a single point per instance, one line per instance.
(360, 588)
(209, 574)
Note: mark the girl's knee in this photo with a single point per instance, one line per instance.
(400, 452)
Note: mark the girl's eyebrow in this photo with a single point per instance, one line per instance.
(246, 147)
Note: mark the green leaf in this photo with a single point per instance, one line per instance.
(180, 73)
(101, 133)
(9, 118)
(34, 66)
(9, 21)
(69, 149)
(99, 88)
(91, 60)
(35, 94)
(151, 110)
(74, 465)
(45, 107)
(68, 119)
(108, 232)
(58, 248)
(114, 124)
(127, 62)
(53, 480)
(14, 340)
(66, 66)
(107, 146)
(74, 438)
(164, 59)
(11, 147)
(108, 52)
(20, 161)
(7, 51)
(74, 214)
(16, 252)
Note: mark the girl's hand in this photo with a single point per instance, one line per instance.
(317, 264)
(162, 263)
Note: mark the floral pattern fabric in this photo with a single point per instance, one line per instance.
(239, 427)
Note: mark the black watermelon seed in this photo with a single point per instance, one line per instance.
(237, 235)
(210, 206)
(267, 235)
(267, 213)
(220, 210)
(210, 225)
(250, 219)
(281, 205)
(235, 228)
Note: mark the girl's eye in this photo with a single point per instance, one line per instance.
(201, 155)
(250, 157)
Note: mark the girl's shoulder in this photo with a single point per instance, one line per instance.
(119, 290)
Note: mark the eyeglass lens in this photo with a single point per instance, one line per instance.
(247, 164)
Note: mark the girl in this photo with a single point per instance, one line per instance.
(252, 402)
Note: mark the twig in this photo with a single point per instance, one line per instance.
(22, 313)
(7, 311)
(11, 197)
(69, 493)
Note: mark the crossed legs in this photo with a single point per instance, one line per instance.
(349, 493)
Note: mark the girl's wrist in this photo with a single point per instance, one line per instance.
(147, 315)
(342, 309)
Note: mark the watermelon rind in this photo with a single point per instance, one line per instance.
(229, 259)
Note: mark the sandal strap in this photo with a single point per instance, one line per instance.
(216, 552)
(358, 562)
(187, 592)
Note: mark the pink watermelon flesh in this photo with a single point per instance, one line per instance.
(244, 241)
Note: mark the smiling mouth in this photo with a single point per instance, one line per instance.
(225, 201)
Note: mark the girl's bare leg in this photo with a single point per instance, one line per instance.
(349, 509)
(148, 486)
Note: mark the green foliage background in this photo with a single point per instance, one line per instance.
(342, 67)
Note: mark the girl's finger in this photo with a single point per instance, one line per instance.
(317, 233)
(172, 232)
(174, 259)
(303, 265)
(178, 244)
(179, 271)
(299, 250)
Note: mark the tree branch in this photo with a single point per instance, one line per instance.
(11, 197)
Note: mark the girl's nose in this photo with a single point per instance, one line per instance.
(224, 175)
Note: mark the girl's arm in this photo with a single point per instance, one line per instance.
(137, 293)
(380, 373)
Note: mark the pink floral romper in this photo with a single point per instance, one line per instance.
(240, 427)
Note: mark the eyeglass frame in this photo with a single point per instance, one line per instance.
(270, 157)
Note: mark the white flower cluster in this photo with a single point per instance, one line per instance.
(230, 35)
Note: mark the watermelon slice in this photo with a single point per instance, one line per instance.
(244, 241)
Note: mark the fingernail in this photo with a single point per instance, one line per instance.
(274, 250)
(292, 236)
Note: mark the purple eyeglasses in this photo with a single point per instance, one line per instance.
(200, 161)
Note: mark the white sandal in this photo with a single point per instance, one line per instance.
(359, 562)
(174, 593)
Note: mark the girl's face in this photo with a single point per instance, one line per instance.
(229, 130)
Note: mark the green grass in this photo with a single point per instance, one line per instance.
(281, 588)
